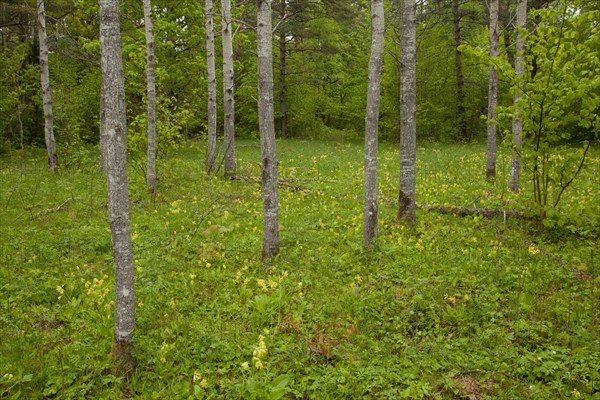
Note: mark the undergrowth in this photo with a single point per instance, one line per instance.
(450, 308)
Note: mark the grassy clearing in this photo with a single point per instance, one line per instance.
(450, 308)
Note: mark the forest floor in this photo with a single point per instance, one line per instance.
(450, 308)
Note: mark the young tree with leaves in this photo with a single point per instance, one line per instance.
(408, 111)
(211, 155)
(114, 124)
(228, 89)
(46, 91)
(267, 129)
(151, 94)
(490, 170)
(517, 125)
(372, 122)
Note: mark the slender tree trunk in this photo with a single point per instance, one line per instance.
(115, 126)
(282, 71)
(21, 132)
(490, 170)
(211, 156)
(372, 123)
(505, 18)
(46, 92)
(267, 130)
(460, 83)
(228, 89)
(151, 90)
(517, 125)
(102, 167)
(408, 111)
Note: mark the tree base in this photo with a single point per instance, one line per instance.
(270, 251)
(122, 355)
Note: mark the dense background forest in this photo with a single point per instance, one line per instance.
(491, 290)
(321, 52)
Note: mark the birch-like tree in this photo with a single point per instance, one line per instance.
(458, 69)
(211, 155)
(266, 124)
(228, 89)
(490, 169)
(283, 69)
(114, 125)
(151, 94)
(517, 125)
(372, 122)
(408, 111)
(46, 91)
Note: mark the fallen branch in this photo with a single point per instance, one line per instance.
(463, 211)
(280, 183)
(53, 210)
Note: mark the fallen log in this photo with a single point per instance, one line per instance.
(464, 211)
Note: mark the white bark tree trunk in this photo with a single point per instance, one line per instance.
(267, 129)
(115, 128)
(490, 170)
(228, 89)
(151, 91)
(408, 111)
(517, 124)
(283, 71)
(46, 92)
(372, 123)
(211, 155)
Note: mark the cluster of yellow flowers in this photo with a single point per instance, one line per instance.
(202, 382)
(532, 249)
(259, 353)
(61, 291)
(96, 290)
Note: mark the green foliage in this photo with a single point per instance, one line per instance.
(560, 104)
(449, 308)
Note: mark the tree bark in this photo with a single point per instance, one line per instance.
(460, 83)
(151, 90)
(282, 71)
(115, 127)
(267, 130)
(228, 89)
(211, 156)
(490, 170)
(517, 124)
(372, 123)
(46, 92)
(408, 111)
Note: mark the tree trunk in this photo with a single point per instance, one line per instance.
(151, 90)
(102, 167)
(505, 17)
(115, 127)
(228, 89)
(408, 111)
(211, 155)
(282, 72)
(460, 83)
(372, 122)
(267, 130)
(490, 170)
(46, 92)
(517, 125)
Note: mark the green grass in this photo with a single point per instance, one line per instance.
(453, 307)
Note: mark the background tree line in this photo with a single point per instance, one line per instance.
(321, 51)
